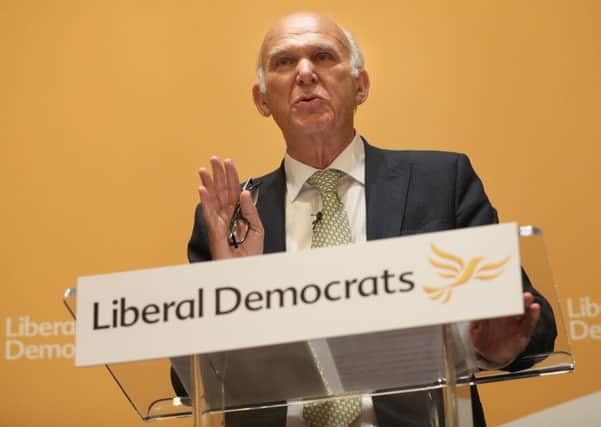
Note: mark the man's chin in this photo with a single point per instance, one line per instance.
(312, 125)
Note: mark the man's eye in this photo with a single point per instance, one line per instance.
(323, 56)
(283, 62)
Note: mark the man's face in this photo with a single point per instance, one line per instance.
(309, 86)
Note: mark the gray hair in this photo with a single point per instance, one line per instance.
(357, 61)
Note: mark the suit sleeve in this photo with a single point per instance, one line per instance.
(198, 246)
(473, 208)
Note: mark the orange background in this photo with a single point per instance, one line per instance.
(108, 108)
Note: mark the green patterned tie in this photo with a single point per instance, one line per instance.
(331, 229)
(333, 413)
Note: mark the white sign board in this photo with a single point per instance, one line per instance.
(382, 285)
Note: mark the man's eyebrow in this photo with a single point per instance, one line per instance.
(278, 50)
(275, 51)
(330, 47)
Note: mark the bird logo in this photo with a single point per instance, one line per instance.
(454, 268)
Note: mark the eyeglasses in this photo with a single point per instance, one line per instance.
(239, 226)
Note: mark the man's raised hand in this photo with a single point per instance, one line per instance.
(219, 195)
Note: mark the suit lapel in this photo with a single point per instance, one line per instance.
(387, 177)
(272, 210)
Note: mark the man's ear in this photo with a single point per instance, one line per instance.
(362, 87)
(260, 103)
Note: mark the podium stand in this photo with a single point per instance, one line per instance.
(417, 376)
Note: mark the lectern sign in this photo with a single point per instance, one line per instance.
(388, 284)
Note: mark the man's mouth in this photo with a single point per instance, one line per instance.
(308, 99)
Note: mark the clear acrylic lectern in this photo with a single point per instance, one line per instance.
(414, 377)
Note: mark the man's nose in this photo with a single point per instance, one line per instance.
(306, 73)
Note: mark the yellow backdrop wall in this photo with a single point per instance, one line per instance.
(108, 108)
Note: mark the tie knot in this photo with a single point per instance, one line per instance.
(326, 181)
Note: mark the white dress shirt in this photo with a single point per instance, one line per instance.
(302, 204)
(303, 201)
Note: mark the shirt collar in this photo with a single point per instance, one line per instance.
(350, 161)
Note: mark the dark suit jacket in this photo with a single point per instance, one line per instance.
(407, 192)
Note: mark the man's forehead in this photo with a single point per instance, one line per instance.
(301, 41)
(304, 29)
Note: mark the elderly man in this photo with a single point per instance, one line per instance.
(311, 80)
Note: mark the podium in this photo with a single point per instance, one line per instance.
(416, 376)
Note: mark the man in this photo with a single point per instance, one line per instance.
(311, 80)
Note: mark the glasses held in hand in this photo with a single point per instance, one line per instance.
(239, 226)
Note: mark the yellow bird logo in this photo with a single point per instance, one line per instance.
(454, 268)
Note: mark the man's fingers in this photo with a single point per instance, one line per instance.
(531, 314)
(475, 326)
(249, 211)
(233, 181)
(207, 191)
(531, 318)
(205, 178)
(220, 181)
(528, 299)
(208, 205)
(208, 195)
